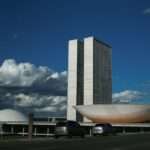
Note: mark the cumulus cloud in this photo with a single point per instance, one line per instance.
(27, 87)
(40, 102)
(34, 102)
(23, 74)
(28, 75)
(146, 11)
(126, 96)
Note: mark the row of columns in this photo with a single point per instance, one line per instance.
(35, 132)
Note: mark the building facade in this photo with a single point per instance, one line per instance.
(89, 75)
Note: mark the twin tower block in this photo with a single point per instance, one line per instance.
(89, 75)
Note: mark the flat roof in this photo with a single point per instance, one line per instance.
(102, 42)
(96, 39)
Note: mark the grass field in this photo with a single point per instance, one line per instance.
(119, 142)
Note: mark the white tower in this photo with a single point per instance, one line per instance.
(75, 79)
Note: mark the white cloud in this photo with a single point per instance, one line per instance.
(46, 109)
(40, 103)
(146, 11)
(37, 100)
(126, 96)
(27, 75)
(23, 74)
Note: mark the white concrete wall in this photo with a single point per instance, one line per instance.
(72, 79)
(88, 71)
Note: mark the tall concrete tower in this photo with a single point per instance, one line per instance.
(75, 78)
(89, 75)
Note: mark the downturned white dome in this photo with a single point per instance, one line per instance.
(11, 115)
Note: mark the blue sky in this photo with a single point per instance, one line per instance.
(37, 31)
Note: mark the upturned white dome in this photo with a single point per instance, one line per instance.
(11, 115)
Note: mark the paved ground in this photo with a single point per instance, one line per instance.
(119, 142)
